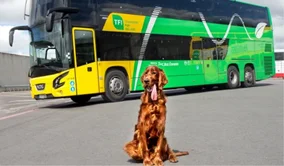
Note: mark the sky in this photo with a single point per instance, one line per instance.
(12, 14)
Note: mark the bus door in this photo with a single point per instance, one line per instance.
(210, 61)
(85, 58)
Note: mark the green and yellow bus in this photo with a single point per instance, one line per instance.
(83, 48)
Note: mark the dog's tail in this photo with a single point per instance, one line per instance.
(181, 153)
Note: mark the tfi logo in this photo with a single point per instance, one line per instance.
(118, 22)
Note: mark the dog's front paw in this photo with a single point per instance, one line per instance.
(158, 162)
(147, 162)
(173, 159)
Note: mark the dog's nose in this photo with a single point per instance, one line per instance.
(146, 80)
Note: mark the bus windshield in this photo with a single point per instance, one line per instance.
(51, 49)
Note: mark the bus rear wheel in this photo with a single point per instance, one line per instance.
(81, 99)
(116, 87)
(249, 78)
(233, 77)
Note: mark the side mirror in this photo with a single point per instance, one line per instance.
(49, 22)
(50, 54)
(12, 31)
(30, 72)
(51, 13)
(11, 37)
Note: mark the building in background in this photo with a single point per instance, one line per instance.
(14, 72)
(279, 63)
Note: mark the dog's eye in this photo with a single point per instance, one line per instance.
(154, 73)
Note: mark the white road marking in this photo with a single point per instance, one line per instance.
(14, 115)
(11, 104)
(17, 101)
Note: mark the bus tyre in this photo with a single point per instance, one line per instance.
(81, 99)
(233, 77)
(249, 77)
(116, 86)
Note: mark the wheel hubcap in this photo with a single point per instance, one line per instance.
(233, 77)
(116, 85)
(248, 76)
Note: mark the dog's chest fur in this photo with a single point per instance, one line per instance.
(151, 120)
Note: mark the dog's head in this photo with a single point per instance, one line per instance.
(153, 80)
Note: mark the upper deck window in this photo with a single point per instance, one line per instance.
(214, 11)
(87, 15)
(39, 9)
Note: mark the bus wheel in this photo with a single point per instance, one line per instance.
(81, 99)
(233, 77)
(116, 86)
(249, 79)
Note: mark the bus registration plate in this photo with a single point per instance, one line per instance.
(42, 96)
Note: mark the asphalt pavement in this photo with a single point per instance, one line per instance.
(14, 102)
(218, 127)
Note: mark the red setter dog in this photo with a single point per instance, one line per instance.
(149, 143)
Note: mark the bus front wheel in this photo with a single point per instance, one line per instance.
(116, 87)
(233, 77)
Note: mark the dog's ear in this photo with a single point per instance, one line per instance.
(162, 79)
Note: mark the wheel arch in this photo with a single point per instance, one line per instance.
(250, 64)
(234, 64)
(121, 68)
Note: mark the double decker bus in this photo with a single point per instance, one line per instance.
(83, 48)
